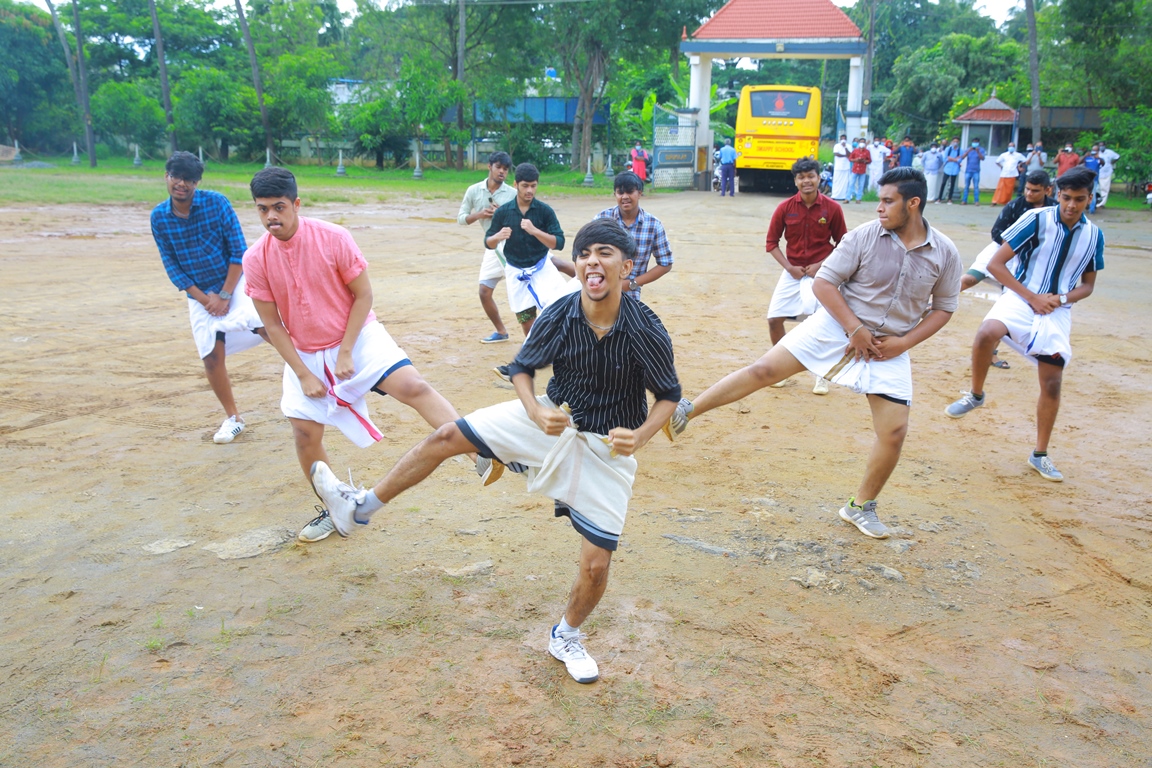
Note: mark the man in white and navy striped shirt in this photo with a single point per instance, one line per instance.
(1058, 253)
(576, 443)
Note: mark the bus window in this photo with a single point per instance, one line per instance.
(780, 104)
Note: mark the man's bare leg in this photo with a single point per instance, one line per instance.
(987, 338)
(890, 422)
(775, 329)
(490, 309)
(421, 461)
(309, 439)
(776, 365)
(218, 379)
(1051, 377)
(409, 388)
(591, 581)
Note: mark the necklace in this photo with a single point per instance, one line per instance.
(599, 327)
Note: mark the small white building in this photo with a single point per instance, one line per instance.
(993, 123)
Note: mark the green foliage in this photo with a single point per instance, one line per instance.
(33, 78)
(124, 113)
(379, 128)
(297, 94)
(1130, 134)
(213, 108)
(427, 90)
(951, 74)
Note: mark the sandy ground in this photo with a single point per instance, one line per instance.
(1005, 624)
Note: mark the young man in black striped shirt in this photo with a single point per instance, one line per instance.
(605, 349)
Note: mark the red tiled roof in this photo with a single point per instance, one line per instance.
(978, 115)
(777, 20)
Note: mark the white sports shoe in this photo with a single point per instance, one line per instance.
(569, 648)
(821, 387)
(340, 498)
(228, 431)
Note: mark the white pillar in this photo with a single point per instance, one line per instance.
(700, 97)
(855, 126)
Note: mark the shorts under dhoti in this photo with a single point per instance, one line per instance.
(537, 286)
(792, 297)
(344, 406)
(819, 344)
(575, 468)
(238, 326)
(1037, 337)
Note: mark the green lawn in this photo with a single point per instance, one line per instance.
(118, 181)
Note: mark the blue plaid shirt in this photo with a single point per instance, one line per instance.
(198, 250)
(650, 239)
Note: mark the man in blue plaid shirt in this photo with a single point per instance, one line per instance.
(645, 229)
(202, 247)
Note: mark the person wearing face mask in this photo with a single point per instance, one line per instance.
(1009, 161)
(933, 161)
(1092, 162)
(1066, 160)
(1108, 158)
(1034, 160)
(950, 171)
(972, 159)
(859, 157)
(841, 169)
(879, 154)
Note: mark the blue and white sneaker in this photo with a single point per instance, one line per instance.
(494, 338)
(1045, 467)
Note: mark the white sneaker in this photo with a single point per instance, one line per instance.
(779, 384)
(228, 431)
(569, 649)
(340, 498)
(821, 387)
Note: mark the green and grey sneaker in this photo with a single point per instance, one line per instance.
(679, 419)
(320, 527)
(965, 404)
(864, 518)
(1045, 467)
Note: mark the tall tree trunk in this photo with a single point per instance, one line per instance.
(1033, 67)
(223, 150)
(68, 58)
(461, 41)
(85, 105)
(871, 54)
(591, 88)
(255, 77)
(167, 94)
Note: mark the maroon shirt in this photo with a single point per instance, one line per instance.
(811, 233)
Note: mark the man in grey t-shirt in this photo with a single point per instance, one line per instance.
(889, 285)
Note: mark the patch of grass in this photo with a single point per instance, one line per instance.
(118, 182)
(153, 644)
(159, 623)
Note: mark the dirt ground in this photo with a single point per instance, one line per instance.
(1005, 624)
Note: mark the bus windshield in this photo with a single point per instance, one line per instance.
(780, 104)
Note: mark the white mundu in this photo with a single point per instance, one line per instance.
(238, 326)
(538, 285)
(792, 297)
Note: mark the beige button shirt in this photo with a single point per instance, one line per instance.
(478, 198)
(890, 288)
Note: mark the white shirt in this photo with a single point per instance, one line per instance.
(840, 157)
(1109, 158)
(1008, 162)
(878, 153)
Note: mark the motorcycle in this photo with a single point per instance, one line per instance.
(826, 179)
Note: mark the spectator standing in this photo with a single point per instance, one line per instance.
(641, 161)
(1009, 161)
(1035, 158)
(933, 161)
(841, 169)
(727, 169)
(905, 153)
(1066, 160)
(1108, 158)
(951, 170)
(859, 157)
(1092, 162)
(972, 159)
(879, 153)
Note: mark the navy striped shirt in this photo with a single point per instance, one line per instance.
(1050, 257)
(602, 380)
(198, 250)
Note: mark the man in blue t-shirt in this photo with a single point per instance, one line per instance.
(727, 169)
(905, 152)
(1093, 162)
(972, 159)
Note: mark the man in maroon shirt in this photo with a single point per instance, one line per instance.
(812, 224)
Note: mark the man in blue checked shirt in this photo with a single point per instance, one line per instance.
(645, 229)
(1057, 254)
(202, 247)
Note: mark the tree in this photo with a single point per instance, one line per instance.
(213, 108)
(85, 103)
(379, 127)
(30, 76)
(164, 90)
(428, 90)
(1033, 67)
(124, 111)
(255, 76)
(300, 101)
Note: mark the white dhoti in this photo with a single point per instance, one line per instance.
(840, 179)
(491, 268)
(537, 286)
(792, 297)
(1103, 187)
(375, 357)
(875, 171)
(983, 258)
(575, 468)
(238, 326)
(819, 344)
(1034, 335)
(933, 180)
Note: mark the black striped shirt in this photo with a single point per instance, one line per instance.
(602, 380)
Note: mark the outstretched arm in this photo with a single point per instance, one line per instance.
(627, 441)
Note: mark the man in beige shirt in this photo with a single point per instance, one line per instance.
(889, 285)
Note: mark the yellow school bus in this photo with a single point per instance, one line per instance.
(776, 125)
